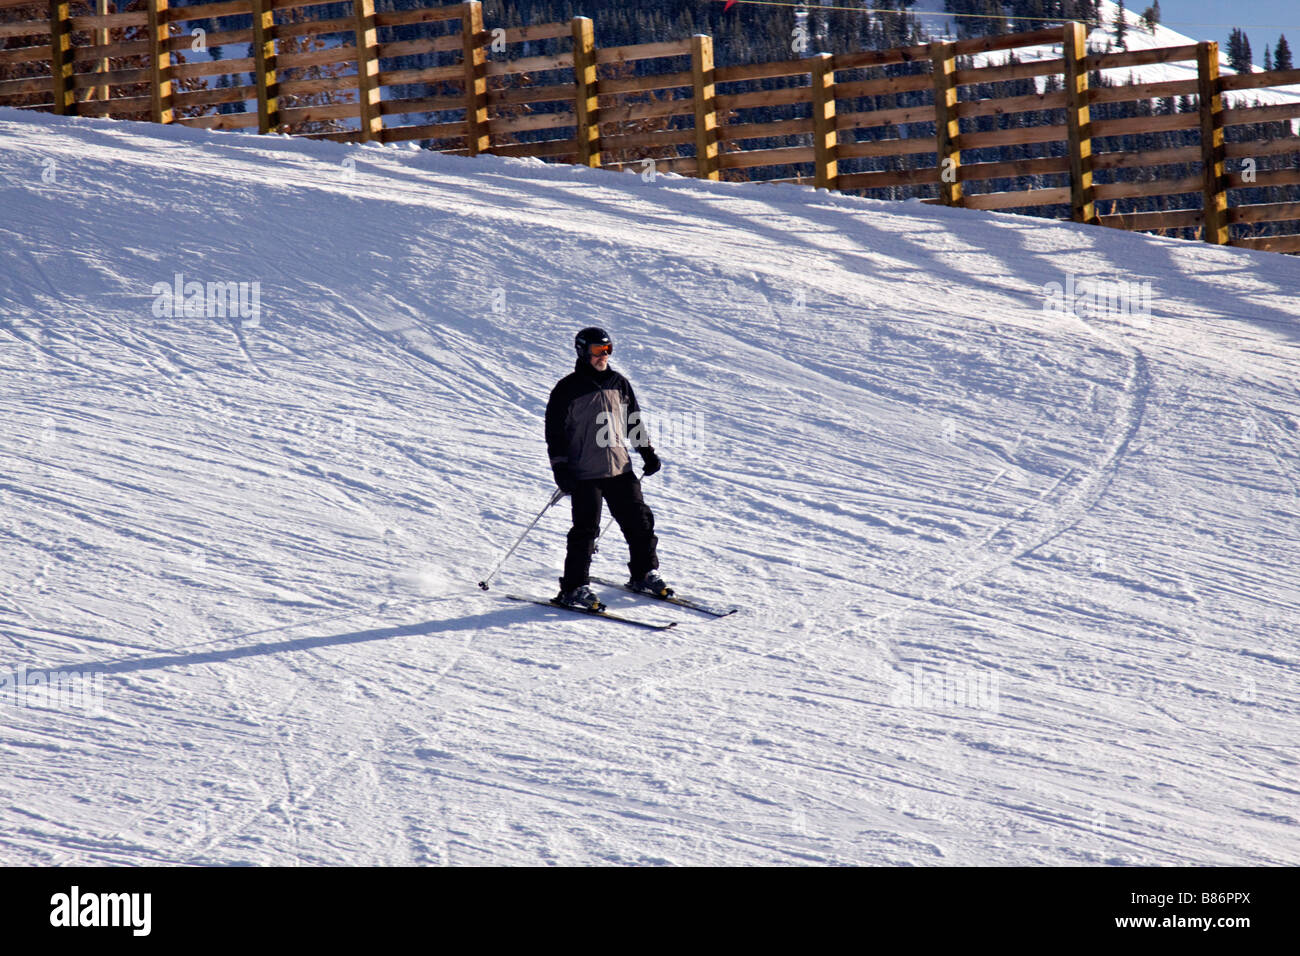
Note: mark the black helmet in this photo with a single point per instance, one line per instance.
(584, 340)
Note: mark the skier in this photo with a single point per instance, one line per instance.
(587, 421)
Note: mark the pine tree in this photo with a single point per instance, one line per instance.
(1239, 58)
(1121, 26)
(1282, 55)
(1268, 59)
(1151, 17)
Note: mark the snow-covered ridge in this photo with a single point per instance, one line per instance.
(1017, 560)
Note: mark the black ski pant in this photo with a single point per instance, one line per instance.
(634, 517)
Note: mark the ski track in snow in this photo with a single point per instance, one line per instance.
(266, 537)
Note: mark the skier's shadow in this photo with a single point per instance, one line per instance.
(473, 622)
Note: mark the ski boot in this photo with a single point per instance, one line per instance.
(582, 596)
(651, 583)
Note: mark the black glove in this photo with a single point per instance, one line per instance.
(564, 478)
(651, 461)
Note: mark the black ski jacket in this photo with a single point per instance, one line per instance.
(588, 419)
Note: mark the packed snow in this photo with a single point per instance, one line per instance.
(1010, 508)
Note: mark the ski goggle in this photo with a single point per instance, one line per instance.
(605, 349)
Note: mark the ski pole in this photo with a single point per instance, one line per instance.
(554, 498)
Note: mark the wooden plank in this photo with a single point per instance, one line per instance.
(1144, 221)
(41, 84)
(1042, 166)
(425, 15)
(432, 74)
(90, 80)
(1252, 81)
(659, 137)
(1210, 113)
(263, 50)
(110, 21)
(1137, 125)
(1260, 114)
(118, 106)
(160, 63)
(705, 107)
(538, 31)
(1266, 177)
(28, 54)
(741, 101)
(323, 84)
(1013, 104)
(366, 48)
(586, 102)
(1012, 137)
(204, 11)
(516, 124)
(1009, 71)
(642, 84)
(562, 92)
(181, 43)
(655, 108)
(1141, 91)
(886, 147)
(61, 63)
(1269, 243)
(428, 104)
(1015, 200)
(891, 177)
(682, 165)
(988, 44)
(644, 51)
(1166, 54)
(1079, 124)
(947, 126)
(214, 96)
(530, 64)
(317, 114)
(1262, 147)
(220, 121)
(889, 86)
(343, 53)
(825, 137)
(549, 147)
(869, 58)
(1154, 187)
(764, 71)
(419, 46)
(890, 117)
(402, 134)
(1265, 212)
(315, 28)
(214, 67)
(748, 159)
(733, 132)
(28, 28)
(474, 60)
(1156, 157)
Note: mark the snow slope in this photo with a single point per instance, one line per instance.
(1021, 587)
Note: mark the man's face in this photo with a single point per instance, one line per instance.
(599, 362)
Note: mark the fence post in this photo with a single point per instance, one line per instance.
(586, 103)
(1078, 121)
(825, 138)
(477, 134)
(372, 121)
(706, 107)
(65, 96)
(947, 130)
(1212, 151)
(268, 84)
(160, 63)
(101, 91)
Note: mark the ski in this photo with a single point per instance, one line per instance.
(670, 599)
(649, 625)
